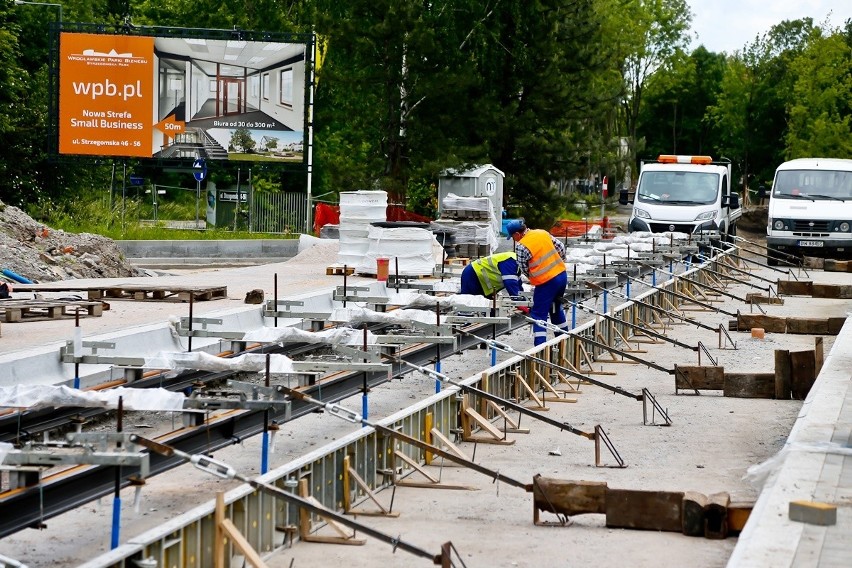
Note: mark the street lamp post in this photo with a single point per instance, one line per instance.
(23, 2)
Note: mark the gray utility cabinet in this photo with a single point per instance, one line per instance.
(481, 181)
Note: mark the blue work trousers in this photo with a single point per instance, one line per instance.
(547, 301)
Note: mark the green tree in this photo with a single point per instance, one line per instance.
(674, 117)
(820, 111)
(241, 140)
(653, 32)
(751, 110)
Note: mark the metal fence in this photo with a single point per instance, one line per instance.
(278, 213)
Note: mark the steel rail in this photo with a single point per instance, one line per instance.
(57, 494)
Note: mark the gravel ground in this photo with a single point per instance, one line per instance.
(709, 448)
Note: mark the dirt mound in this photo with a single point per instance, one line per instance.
(43, 254)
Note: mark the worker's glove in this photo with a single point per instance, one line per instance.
(524, 310)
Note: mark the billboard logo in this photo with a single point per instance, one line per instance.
(108, 89)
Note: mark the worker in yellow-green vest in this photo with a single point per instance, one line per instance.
(541, 257)
(488, 275)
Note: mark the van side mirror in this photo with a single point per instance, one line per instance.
(734, 200)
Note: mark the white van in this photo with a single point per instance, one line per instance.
(687, 194)
(810, 209)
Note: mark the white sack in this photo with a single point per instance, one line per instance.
(45, 396)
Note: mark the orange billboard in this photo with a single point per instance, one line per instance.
(106, 94)
(165, 97)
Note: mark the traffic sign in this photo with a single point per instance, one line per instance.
(200, 167)
(136, 180)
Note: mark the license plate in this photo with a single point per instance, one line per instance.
(811, 243)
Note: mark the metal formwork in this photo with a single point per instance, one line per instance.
(269, 524)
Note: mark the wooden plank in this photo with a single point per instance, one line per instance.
(783, 377)
(795, 287)
(771, 324)
(758, 298)
(819, 355)
(569, 497)
(807, 326)
(803, 373)
(832, 265)
(693, 513)
(749, 385)
(835, 325)
(644, 510)
(835, 291)
(701, 378)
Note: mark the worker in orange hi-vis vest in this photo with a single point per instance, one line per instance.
(541, 257)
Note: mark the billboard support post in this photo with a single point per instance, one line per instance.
(123, 194)
(200, 172)
(237, 208)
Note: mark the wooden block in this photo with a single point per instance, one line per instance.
(646, 510)
(758, 298)
(750, 385)
(807, 326)
(716, 516)
(569, 497)
(795, 287)
(803, 373)
(738, 514)
(701, 378)
(693, 513)
(783, 375)
(819, 355)
(835, 325)
(813, 513)
(771, 324)
(14, 314)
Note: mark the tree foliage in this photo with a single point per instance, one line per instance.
(548, 91)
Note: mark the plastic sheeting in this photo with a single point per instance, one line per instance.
(5, 448)
(366, 315)
(409, 250)
(47, 396)
(250, 362)
(337, 336)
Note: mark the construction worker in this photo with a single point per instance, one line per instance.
(488, 275)
(541, 257)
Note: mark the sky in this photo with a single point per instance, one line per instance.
(727, 25)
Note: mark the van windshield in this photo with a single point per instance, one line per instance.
(678, 188)
(813, 184)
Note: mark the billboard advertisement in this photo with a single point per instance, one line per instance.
(181, 98)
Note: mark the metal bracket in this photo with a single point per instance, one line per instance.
(244, 396)
(183, 329)
(655, 407)
(67, 355)
(358, 354)
(270, 311)
(98, 448)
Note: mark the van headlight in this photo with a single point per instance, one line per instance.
(706, 216)
(641, 214)
(778, 225)
(844, 226)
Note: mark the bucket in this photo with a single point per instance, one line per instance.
(382, 269)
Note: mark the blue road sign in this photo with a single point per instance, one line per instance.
(200, 167)
(136, 180)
